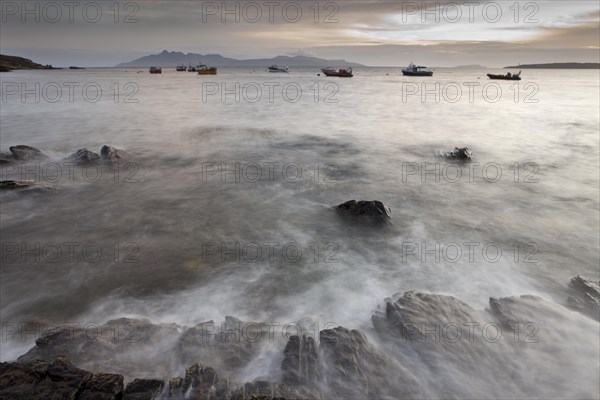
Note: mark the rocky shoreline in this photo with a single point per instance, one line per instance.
(70, 363)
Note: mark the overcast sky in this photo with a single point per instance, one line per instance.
(378, 33)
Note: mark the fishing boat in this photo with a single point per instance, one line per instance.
(416, 70)
(204, 70)
(341, 73)
(155, 70)
(180, 68)
(191, 69)
(276, 68)
(507, 77)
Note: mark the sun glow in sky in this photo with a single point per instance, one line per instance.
(441, 33)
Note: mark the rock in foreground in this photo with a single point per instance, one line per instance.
(462, 154)
(373, 212)
(585, 297)
(26, 153)
(109, 153)
(83, 157)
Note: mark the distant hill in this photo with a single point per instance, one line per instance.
(9, 63)
(572, 65)
(174, 58)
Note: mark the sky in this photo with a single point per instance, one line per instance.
(377, 33)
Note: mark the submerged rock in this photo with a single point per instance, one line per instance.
(109, 153)
(10, 184)
(26, 153)
(585, 297)
(83, 156)
(462, 154)
(374, 212)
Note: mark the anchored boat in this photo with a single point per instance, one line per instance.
(180, 68)
(416, 70)
(341, 73)
(507, 77)
(276, 68)
(204, 70)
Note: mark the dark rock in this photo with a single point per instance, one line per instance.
(109, 153)
(143, 389)
(585, 297)
(374, 212)
(83, 157)
(300, 363)
(353, 368)
(26, 153)
(41, 380)
(462, 154)
(103, 387)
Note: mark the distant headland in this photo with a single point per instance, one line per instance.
(570, 65)
(9, 63)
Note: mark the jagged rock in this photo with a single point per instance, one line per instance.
(83, 156)
(300, 363)
(143, 389)
(41, 380)
(374, 212)
(26, 153)
(585, 297)
(120, 346)
(353, 368)
(462, 154)
(110, 153)
(413, 315)
(102, 387)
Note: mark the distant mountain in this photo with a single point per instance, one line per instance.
(571, 65)
(174, 58)
(8, 63)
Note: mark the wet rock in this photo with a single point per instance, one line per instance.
(109, 153)
(462, 154)
(41, 380)
(585, 297)
(143, 389)
(353, 368)
(102, 387)
(374, 212)
(26, 153)
(83, 157)
(300, 363)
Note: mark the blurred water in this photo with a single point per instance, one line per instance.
(364, 141)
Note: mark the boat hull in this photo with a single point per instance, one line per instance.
(207, 72)
(420, 73)
(504, 77)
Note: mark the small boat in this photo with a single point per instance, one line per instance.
(416, 70)
(191, 69)
(507, 77)
(204, 70)
(341, 73)
(155, 70)
(276, 68)
(180, 68)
